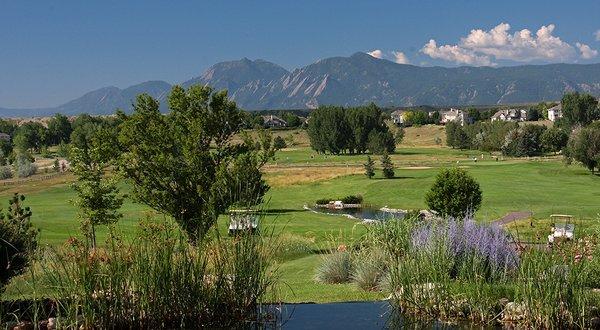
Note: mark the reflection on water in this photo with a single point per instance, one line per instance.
(354, 315)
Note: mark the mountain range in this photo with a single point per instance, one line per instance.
(353, 80)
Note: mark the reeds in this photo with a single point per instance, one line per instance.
(160, 280)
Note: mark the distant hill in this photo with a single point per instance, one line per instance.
(356, 80)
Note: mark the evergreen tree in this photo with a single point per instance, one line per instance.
(369, 168)
(387, 165)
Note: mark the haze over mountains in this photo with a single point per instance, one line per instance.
(354, 80)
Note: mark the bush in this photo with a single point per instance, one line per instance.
(5, 172)
(474, 249)
(352, 199)
(336, 267)
(454, 193)
(24, 168)
(323, 201)
(370, 267)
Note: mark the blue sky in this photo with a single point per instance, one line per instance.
(52, 52)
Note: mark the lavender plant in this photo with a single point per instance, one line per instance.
(468, 243)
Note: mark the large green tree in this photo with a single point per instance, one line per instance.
(584, 147)
(454, 193)
(31, 135)
(524, 141)
(554, 139)
(579, 109)
(186, 163)
(59, 129)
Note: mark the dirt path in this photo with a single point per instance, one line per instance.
(513, 216)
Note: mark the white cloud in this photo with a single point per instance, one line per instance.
(400, 58)
(454, 54)
(481, 47)
(597, 35)
(586, 51)
(377, 53)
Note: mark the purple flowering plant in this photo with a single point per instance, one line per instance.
(466, 241)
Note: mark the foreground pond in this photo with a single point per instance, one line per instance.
(352, 315)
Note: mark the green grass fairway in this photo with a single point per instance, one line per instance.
(543, 186)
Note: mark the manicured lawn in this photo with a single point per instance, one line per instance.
(541, 186)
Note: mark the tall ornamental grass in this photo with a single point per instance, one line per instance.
(159, 280)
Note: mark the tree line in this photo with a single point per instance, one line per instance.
(354, 130)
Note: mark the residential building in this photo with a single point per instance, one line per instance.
(271, 121)
(456, 115)
(555, 112)
(398, 117)
(510, 115)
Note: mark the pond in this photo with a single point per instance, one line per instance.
(352, 315)
(364, 213)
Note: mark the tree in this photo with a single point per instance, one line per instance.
(18, 240)
(31, 135)
(454, 193)
(387, 165)
(474, 114)
(186, 163)
(279, 143)
(579, 109)
(399, 136)
(554, 139)
(524, 141)
(380, 142)
(291, 119)
(328, 130)
(456, 137)
(59, 129)
(584, 147)
(369, 167)
(98, 197)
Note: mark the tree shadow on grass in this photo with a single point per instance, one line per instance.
(395, 178)
(281, 211)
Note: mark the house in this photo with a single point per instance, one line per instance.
(271, 121)
(456, 115)
(4, 136)
(510, 115)
(555, 112)
(398, 117)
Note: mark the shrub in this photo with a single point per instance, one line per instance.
(454, 193)
(5, 172)
(323, 201)
(336, 267)
(18, 240)
(24, 168)
(352, 199)
(481, 248)
(370, 267)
